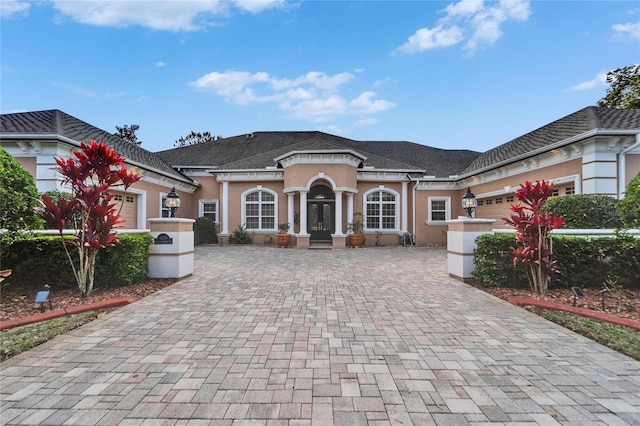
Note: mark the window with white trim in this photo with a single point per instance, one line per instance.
(439, 209)
(208, 208)
(259, 210)
(381, 210)
(164, 210)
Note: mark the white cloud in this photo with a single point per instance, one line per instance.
(314, 96)
(86, 93)
(628, 30)
(157, 15)
(13, 8)
(161, 64)
(471, 20)
(598, 81)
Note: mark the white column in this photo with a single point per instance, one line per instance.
(303, 212)
(405, 207)
(338, 213)
(349, 207)
(290, 208)
(225, 208)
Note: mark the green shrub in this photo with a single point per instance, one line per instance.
(125, 263)
(583, 262)
(40, 259)
(629, 206)
(585, 211)
(494, 262)
(18, 196)
(205, 231)
(240, 236)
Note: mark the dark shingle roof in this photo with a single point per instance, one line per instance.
(259, 151)
(55, 122)
(582, 121)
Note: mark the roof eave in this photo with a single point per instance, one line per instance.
(55, 136)
(546, 148)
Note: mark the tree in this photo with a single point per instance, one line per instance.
(533, 249)
(194, 138)
(91, 175)
(128, 133)
(629, 206)
(18, 195)
(624, 89)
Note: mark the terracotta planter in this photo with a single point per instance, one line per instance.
(356, 240)
(283, 240)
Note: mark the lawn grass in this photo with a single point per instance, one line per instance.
(617, 337)
(20, 339)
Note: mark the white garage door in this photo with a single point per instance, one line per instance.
(129, 212)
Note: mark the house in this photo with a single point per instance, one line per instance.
(316, 181)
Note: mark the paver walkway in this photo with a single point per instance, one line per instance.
(260, 335)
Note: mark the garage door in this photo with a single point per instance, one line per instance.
(129, 212)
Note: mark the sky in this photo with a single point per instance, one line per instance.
(468, 74)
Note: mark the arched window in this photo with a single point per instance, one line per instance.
(259, 209)
(381, 210)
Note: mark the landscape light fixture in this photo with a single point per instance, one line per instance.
(469, 203)
(173, 201)
(43, 296)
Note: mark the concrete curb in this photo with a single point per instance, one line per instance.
(106, 304)
(603, 316)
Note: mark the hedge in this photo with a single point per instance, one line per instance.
(583, 262)
(38, 260)
(585, 211)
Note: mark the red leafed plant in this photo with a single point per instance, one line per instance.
(533, 247)
(95, 170)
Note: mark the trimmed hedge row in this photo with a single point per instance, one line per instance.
(40, 259)
(583, 262)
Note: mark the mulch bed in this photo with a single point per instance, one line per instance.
(629, 304)
(17, 301)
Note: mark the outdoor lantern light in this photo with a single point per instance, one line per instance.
(173, 201)
(469, 202)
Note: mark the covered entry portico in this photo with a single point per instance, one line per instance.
(323, 216)
(321, 186)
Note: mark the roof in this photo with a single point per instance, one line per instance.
(259, 149)
(578, 123)
(55, 122)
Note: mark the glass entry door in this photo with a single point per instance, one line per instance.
(321, 215)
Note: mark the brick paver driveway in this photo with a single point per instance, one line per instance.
(260, 335)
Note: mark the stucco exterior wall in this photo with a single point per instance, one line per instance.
(299, 175)
(632, 167)
(29, 164)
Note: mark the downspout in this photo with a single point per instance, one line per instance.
(622, 173)
(413, 206)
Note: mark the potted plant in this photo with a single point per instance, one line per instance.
(356, 229)
(283, 237)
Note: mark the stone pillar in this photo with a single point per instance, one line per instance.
(302, 239)
(171, 254)
(461, 238)
(225, 208)
(290, 211)
(338, 221)
(349, 207)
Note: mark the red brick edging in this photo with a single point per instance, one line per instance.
(603, 316)
(105, 304)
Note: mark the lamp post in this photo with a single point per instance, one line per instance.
(173, 201)
(469, 203)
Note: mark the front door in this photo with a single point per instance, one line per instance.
(321, 220)
(321, 207)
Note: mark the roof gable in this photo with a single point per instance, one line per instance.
(580, 122)
(55, 122)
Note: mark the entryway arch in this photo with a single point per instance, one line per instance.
(321, 212)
